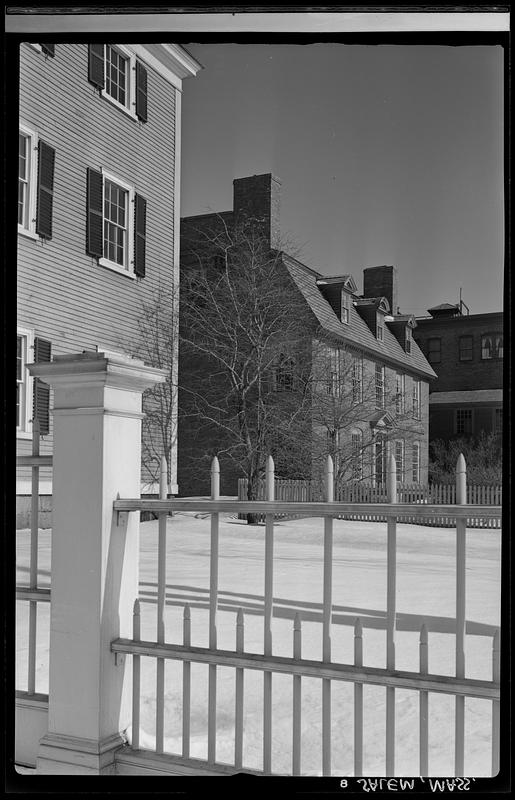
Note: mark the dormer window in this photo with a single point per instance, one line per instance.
(379, 327)
(408, 339)
(345, 308)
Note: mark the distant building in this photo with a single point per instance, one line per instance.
(98, 207)
(363, 347)
(466, 352)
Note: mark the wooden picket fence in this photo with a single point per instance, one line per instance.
(326, 670)
(303, 491)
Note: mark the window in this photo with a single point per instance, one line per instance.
(491, 346)
(408, 339)
(379, 458)
(464, 420)
(466, 348)
(434, 350)
(357, 379)
(345, 310)
(497, 426)
(116, 229)
(121, 79)
(36, 161)
(379, 327)
(416, 399)
(357, 455)
(285, 374)
(399, 459)
(399, 393)
(379, 386)
(24, 354)
(415, 462)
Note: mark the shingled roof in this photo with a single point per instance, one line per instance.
(357, 331)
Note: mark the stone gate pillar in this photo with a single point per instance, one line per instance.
(96, 458)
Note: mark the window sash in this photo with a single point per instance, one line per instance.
(434, 350)
(379, 386)
(464, 420)
(24, 174)
(399, 459)
(117, 72)
(357, 455)
(357, 380)
(399, 394)
(115, 223)
(466, 348)
(345, 307)
(416, 399)
(415, 469)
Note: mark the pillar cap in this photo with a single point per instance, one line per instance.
(104, 367)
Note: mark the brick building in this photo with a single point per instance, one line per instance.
(359, 351)
(98, 208)
(466, 352)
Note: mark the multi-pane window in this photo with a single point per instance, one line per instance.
(416, 399)
(115, 223)
(379, 459)
(379, 327)
(27, 164)
(408, 339)
(491, 346)
(24, 354)
(117, 74)
(345, 310)
(379, 386)
(464, 420)
(357, 379)
(434, 350)
(399, 393)
(285, 374)
(357, 455)
(399, 459)
(415, 462)
(466, 348)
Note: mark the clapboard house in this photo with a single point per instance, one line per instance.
(98, 207)
(370, 379)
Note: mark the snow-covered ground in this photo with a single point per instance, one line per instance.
(425, 592)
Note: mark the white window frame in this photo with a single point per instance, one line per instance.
(127, 269)
(379, 327)
(130, 106)
(357, 454)
(399, 459)
(357, 379)
(409, 338)
(30, 228)
(416, 397)
(345, 308)
(380, 385)
(400, 393)
(24, 430)
(468, 411)
(415, 462)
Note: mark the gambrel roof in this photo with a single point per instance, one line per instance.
(357, 332)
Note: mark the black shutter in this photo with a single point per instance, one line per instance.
(141, 91)
(96, 65)
(48, 49)
(41, 399)
(140, 220)
(94, 233)
(45, 192)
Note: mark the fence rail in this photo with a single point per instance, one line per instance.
(326, 670)
(306, 491)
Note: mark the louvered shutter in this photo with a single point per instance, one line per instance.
(48, 49)
(94, 234)
(41, 398)
(45, 190)
(140, 220)
(96, 65)
(141, 91)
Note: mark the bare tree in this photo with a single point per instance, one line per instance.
(245, 361)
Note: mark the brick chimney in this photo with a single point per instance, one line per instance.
(258, 198)
(381, 282)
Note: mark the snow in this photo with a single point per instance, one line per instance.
(425, 593)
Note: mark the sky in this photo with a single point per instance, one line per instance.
(387, 154)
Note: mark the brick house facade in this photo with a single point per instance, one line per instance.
(359, 351)
(466, 352)
(98, 207)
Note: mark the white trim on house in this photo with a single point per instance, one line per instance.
(25, 430)
(29, 229)
(24, 488)
(130, 106)
(464, 397)
(128, 268)
(170, 61)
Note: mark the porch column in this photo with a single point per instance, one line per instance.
(96, 458)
